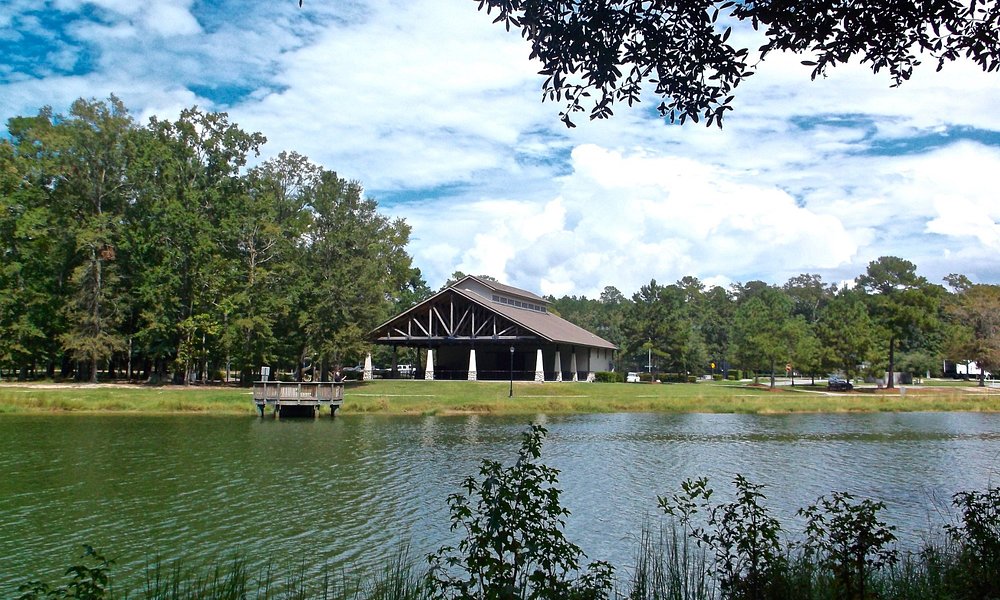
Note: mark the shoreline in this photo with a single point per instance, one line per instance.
(418, 397)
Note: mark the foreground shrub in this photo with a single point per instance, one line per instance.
(977, 536)
(742, 535)
(87, 581)
(513, 546)
(845, 538)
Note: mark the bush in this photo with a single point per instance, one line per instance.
(977, 536)
(513, 546)
(87, 582)
(845, 538)
(745, 539)
(609, 377)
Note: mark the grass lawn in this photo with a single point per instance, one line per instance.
(457, 397)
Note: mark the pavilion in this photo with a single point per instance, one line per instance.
(480, 329)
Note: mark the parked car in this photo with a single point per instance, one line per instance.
(405, 370)
(632, 378)
(836, 383)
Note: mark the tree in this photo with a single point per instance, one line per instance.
(262, 231)
(95, 149)
(808, 295)
(846, 332)
(596, 54)
(356, 268)
(977, 310)
(155, 243)
(764, 331)
(658, 320)
(716, 324)
(30, 242)
(183, 248)
(901, 302)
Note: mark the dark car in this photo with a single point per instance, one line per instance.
(838, 384)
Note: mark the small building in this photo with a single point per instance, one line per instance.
(481, 329)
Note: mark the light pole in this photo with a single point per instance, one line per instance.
(511, 372)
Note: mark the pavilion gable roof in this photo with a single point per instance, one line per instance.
(545, 325)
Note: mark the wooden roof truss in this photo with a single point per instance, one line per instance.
(451, 318)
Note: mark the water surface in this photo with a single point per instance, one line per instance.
(347, 492)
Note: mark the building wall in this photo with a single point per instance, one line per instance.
(477, 288)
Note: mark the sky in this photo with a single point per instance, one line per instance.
(439, 114)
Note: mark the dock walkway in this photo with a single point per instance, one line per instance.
(304, 396)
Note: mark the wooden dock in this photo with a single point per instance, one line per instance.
(298, 397)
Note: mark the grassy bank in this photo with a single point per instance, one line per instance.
(457, 397)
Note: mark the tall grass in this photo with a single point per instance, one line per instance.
(667, 566)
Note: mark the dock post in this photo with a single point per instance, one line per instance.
(260, 408)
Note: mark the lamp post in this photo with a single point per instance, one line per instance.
(511, 372)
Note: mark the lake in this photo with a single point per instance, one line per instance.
(347, 492)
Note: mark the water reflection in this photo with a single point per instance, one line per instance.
(348, 491)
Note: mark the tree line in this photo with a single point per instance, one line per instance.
(151, 251)
(890, 319)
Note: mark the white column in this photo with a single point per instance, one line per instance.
(367, 373)
(572, 366)
(472, 364)
(429, 371)
(539, 367)
(558, 368)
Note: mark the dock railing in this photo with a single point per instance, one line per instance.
(316, 394)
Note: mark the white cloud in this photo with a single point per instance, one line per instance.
(429, 104)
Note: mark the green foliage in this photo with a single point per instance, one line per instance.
(845, 537)
(609, 377)
(87, 581)
(669, 566)
(151, 245)
(903, 304)
(596, 54)
(765, 333)
(666, 322)
(513, 547)
(975, 322)
(744, 538)
(977, 536)
(846, 333)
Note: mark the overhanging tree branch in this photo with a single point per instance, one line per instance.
(596, 53)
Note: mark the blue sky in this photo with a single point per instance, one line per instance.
(438, 113)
